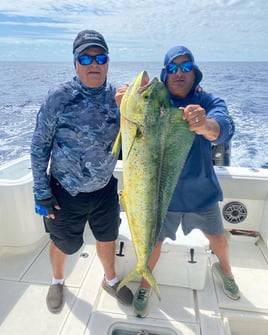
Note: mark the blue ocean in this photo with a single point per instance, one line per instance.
(243, 85)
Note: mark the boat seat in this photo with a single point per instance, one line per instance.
(19, 224)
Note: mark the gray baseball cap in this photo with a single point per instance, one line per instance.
(89, 38)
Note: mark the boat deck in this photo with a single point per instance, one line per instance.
(25, 274)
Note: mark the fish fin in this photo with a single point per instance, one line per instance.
(137, 133)
(145, 273)
(130, 276)
(117, 146)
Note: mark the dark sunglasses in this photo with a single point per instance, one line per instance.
(172, 68)
(87, 59)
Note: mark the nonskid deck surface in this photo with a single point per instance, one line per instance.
(25, 275)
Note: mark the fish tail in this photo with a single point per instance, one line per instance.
(146, 274)
(130, 276)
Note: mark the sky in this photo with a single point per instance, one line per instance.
(135, 30)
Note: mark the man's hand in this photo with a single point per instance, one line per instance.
(199, 123)
(47, 207)
(119, 95)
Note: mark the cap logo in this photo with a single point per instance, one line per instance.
(91, 36)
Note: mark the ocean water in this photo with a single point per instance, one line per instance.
(243, 85)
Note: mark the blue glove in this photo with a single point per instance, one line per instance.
(45, 207)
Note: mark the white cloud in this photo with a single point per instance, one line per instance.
(144, 30)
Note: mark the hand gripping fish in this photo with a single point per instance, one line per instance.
(155, 143)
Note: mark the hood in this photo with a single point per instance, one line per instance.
(177, 52)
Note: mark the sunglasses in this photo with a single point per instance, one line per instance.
(172, 68)
(87, 59)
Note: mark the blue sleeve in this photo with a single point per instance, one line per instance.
(41, 147)
(216, 109)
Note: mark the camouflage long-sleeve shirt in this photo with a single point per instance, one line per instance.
(74, 135)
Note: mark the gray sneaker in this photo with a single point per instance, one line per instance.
(229, 285)
(141, 301)
(124, 295)
(55, 299)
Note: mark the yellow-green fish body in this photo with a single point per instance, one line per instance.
(155, 143)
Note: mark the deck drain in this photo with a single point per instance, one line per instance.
(84, 255)
(234, 212)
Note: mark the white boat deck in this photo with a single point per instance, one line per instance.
(25, 275)
(192, 301)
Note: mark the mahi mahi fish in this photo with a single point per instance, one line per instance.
(155, 142)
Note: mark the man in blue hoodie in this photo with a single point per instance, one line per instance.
(195, 200)
(75, 131)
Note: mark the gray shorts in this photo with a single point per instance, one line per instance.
(209, 221)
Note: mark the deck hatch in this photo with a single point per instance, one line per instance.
(132, 329)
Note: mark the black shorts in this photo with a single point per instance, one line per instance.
(100, 208)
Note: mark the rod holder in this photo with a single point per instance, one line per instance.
(192, 261)
(121, 247)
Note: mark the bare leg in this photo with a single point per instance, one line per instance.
(106, 253)
(219, 246)
(57, 259)
(55, 298)
(152, 262)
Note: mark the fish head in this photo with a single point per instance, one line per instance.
(144, 100)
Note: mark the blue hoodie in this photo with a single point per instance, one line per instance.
(198, 187)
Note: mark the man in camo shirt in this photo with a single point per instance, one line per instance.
(73, 167)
